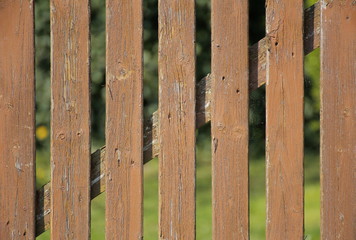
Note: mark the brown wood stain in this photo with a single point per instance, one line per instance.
(17, 120)
(124, 120)
(70, 120)
(229, 119)
(176, 60)
(338, 120)
(284, 120)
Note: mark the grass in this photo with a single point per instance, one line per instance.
(203, 205)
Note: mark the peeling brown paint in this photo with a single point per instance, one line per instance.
(124, 120)
(70, 122)
(176, 119)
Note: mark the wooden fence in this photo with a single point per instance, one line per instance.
(63, 205)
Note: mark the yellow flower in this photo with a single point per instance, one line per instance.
(41, 132)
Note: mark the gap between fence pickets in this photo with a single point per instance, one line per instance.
(257, 64)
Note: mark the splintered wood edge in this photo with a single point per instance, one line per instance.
(257, 61)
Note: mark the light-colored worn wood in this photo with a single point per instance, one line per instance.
(17, 120)
(257, 59)
(338, 120)
(284, 120)
(176, 61)
(70, 120)
(124, 134)
(229, 119)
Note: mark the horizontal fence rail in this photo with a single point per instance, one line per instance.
(151, 146)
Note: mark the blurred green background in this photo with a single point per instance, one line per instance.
(257, 119)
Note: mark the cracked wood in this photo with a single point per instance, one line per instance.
(176, 73)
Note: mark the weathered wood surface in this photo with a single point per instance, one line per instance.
(257, 60)
(229, 119)
(284, 120)
(176, 73)
(124, 120)
(70, 120)
(338, 120)
(311, 28)
(17, 120)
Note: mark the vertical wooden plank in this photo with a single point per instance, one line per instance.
(229, 119)
(17, 120)
(338, 120)
(284, 120)
(176, 61)
(124, 120)
(70, 120)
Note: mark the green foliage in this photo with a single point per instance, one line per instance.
(312, 101)
(203, 39)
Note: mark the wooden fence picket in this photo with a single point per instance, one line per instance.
(70, 120)
(78, 175)
(229, 119)
(338, 119)
(257, 69)
(17, 120)
(176, 59)
(284, 120)
(124, 133)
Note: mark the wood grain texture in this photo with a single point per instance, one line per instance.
(311, 28)
(176, 61)
(338, 120)
(70, 120)
(257, 59)
(284, 120)
(124, 134)
(229, 119)
(17, 120)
